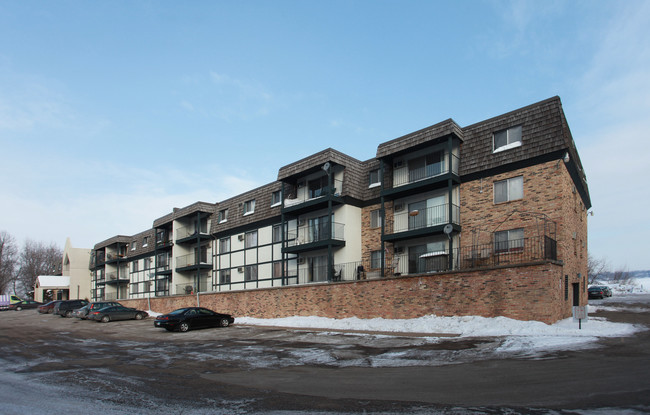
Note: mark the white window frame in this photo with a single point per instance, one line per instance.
(510, 190)
(513, 138)
(223, 215)
(276, 198)
(513, 241)
(249, 207)
(377, 182)
(224, 241)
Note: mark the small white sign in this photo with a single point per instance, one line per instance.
(580, 313)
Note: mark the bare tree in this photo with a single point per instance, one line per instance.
(596, 268)
(621, 276)
(38, 259)
(8, 257)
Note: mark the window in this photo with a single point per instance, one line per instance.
(250, 240)
(161, 237)
(162, 260)
(373, 178)
(224, 245)
(134, 246)
(249, 207)
(224, 276)
(506, 139)
(277, 269)
(318, 187)
(134, 288)
(509, 241)
(145, 241)
(223, 215)
(275, 198)
(510, 189)
(250, 273)
(134, 266)
(375, 259)
(277, 233)
(375, 218)
(147, 263)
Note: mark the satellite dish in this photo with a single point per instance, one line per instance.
(448, 229)
(327, 166)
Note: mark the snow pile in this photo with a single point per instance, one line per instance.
(468, 326)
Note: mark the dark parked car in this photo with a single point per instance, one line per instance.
(606, 290)
(21, 305)
(188, 318)
(82, 312)
(48, 308)
(116, 312)
(596, 292)
(64, 308)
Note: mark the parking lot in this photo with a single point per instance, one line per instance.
(131, 366)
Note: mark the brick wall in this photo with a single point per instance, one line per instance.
(526, 292)
(549, 191)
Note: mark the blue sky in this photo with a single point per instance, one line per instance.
(112, 113)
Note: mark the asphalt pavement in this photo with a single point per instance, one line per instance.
(131, 367)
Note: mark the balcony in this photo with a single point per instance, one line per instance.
(189, 234)
(426, 221)
(512, 252)
(312, 197)
(114, 257)
(408, 180)
(313, 237)
(191, 262)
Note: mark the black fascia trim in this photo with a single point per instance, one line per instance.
(437, 141)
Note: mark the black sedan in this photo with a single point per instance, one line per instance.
(21, 305)
(596, 292)
(188, 318)
(113, 313)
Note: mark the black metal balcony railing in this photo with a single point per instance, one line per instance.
(187, 231)
(305, 194)
(478, 256)
(424, 218)
(404, 176)
(316, 233)
(192, 260)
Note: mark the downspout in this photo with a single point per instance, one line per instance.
(382, 214)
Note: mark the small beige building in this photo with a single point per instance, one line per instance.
(75, 281)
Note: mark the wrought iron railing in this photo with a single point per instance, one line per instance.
(424, 218)
(316, 233)
(403, 176)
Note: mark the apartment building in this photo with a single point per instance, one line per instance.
(497, 194)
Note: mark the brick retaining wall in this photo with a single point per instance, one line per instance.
(524, 292)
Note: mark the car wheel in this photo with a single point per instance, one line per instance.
(19, 308)
(183, 327)
(106, 319)
(68, 313)
(224, 322)
(139, 316)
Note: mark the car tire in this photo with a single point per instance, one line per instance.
(139, 316)
(224, 322)
(105, 319)
(183, 327)
(19, 308)
(68, 313)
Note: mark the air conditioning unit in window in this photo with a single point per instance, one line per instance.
(240, 236)
(240, 269)
(399, 207)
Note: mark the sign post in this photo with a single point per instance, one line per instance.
(580, 313)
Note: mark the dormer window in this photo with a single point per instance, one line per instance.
(276, 199)
(507, 139)
(373, 178)
(249, 207)
(223, 216)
